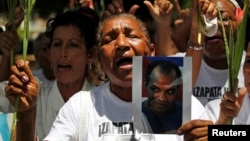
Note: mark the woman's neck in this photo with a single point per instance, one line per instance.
(69, 89)
(124, 93)
(49, 75)
(216, 64)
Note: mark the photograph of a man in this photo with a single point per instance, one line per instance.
(163, 81)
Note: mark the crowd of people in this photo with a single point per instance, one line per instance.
(83, 88)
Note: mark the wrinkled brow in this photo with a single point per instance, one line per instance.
(115, 30)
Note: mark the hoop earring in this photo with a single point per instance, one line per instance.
(90, 66)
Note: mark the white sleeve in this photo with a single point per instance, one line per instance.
(198, 110)
(213, 109)
(5, 105)
(244, 113)
(65, 126)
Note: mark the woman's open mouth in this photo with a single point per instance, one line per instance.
(124, 63)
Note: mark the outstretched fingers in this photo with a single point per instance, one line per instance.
(208, 8)
(177, 7)
(116, 6)
(165, 7)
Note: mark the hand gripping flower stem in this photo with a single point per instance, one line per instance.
(27, 6)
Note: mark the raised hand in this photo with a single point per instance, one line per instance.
(19, 16)
(161, 11)
(182, 14)
(208, 9)
(8, 41)
(116, 6)
(230, 104)
(22, 84)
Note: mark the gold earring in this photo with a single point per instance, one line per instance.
(90, 66)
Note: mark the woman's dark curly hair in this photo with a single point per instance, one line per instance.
(84, 18)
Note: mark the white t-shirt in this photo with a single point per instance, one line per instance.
(212, 83)
(5, 106)
(213, 109)
(48, 104)
(107, 115)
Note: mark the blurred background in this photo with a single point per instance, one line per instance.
(42, 11)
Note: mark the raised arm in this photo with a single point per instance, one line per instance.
(197, 129)
(181, 27)
(162, 12)
(196, 39)
(8, 41)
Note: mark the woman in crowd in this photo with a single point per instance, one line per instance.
(121, 37)
(242, 100)
(244, 114)
(212, 81)
(72, 37)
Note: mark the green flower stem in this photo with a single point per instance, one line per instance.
(12, 4)
(25, 35)
(27, 7)
(234, 50)
(240, 44)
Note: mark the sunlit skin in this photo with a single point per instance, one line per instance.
(161, 92)
(121, 39)
(215, 51)
(68, 56)
(246, 69)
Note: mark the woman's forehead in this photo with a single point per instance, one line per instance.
(122, 22)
